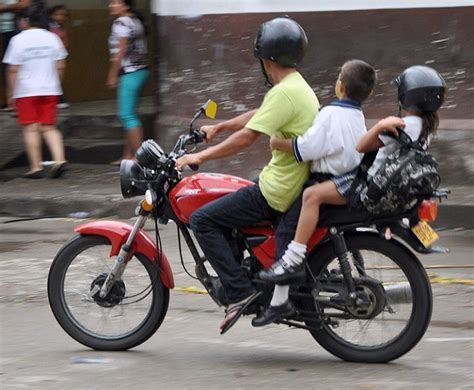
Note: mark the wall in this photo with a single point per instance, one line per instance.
(205, 49)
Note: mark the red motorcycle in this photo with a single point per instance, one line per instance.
(366, 297)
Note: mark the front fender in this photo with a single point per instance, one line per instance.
(117, 233)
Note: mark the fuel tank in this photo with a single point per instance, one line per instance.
(197, 190)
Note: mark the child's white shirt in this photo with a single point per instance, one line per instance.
(413, 126)
(330, 143)
(37, 52)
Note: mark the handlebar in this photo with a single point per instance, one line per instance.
(197, 136)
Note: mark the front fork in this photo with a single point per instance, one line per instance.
(125, 252)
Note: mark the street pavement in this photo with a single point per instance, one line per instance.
(187, 352)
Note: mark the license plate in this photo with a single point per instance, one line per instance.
(425, 233)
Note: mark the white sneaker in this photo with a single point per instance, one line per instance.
(63, 105)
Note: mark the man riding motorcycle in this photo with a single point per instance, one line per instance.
(288, 109)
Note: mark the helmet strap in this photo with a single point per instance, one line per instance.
(268, 83)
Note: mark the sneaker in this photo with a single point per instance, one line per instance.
(63, 105)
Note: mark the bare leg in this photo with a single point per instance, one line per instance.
(54, 140)
(313, 198)
(32, 139)
(134, 140)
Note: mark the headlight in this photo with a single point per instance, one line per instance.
(132, 179)
(150, 155)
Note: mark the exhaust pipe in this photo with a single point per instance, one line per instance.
(398, 292)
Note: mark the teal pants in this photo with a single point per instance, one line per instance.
(129, 89)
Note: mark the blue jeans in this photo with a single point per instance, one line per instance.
(212, 225)
(129, 89)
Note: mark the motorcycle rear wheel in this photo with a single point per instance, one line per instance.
(130, 314)
(349, 341)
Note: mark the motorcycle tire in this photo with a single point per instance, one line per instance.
(158, 294)
(421, 295)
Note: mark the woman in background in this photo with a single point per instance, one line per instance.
(128, 69)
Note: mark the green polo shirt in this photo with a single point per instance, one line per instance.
(288, 110)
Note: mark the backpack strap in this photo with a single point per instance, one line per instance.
(360, 180)
(365, 165)
(404, 139)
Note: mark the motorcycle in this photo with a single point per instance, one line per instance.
(366, 296)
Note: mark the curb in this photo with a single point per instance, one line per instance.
(67, 207)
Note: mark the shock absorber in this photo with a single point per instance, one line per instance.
(341, 252)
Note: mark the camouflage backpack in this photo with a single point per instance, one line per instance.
(407, 174)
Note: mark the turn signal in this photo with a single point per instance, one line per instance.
(147, 206)
(428, 211)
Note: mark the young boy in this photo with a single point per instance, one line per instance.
(36, 61)
(331, 145)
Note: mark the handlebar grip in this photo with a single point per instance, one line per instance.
(199, 135)
(194, 167)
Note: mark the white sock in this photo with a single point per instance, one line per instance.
(280, 295)
(294, 255)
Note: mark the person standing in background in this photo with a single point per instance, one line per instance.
(128, 69)
(58, 16)
(8, 28)
(35, 59)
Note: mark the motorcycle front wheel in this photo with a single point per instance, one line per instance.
(395, 283)
(132, 311)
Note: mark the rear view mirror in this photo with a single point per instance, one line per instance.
(210, 109)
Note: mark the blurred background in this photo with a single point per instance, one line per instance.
(204, 49)
(212, 55)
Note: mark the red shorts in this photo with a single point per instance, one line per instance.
(37, 109)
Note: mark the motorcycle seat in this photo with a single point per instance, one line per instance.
(339, 215)
(342, 215)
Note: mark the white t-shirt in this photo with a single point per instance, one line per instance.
(136, 52)
(37, 52)
(330, 143)
(413, 127)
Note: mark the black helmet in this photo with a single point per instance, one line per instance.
(421, 88)
(281, 40)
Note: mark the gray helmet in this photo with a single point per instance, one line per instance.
(421, 88)
(281, 40)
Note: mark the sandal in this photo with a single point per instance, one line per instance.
(34, 175)
(233, 314)
(58, 170)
